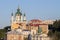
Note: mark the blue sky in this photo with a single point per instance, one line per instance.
(34, 9)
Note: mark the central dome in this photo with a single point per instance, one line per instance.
(18, 12)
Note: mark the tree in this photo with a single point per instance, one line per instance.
(56, 24)
(2, 33)
(56, 34)
(7, 28)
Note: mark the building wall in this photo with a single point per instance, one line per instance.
(14, 26)
(39, 37)
(44, 28)
(14, 37)
(34, 27)
(17, 25)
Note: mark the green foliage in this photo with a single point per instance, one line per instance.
(2, 33)
(55, 35)
(56, 24)
(50, 33)
(7, 27)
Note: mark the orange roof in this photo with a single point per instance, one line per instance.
(36, 20)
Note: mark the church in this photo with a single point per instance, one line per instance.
(20, 28)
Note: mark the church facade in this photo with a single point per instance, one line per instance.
(21, 28)
(18, 20)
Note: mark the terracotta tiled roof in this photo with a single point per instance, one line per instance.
(36, 20)
(36, 24)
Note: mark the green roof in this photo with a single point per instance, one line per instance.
(18, 12)
(24, 14)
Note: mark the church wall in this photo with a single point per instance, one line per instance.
(14, 26)
(15, 37)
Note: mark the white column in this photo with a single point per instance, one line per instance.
(21, 18)
(12, 19)
(24, 18)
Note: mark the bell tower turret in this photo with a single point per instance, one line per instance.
(12, 18)
(24, 17)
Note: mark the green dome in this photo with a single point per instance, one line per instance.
(18, 12)
(12, 14)
(24, 14)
